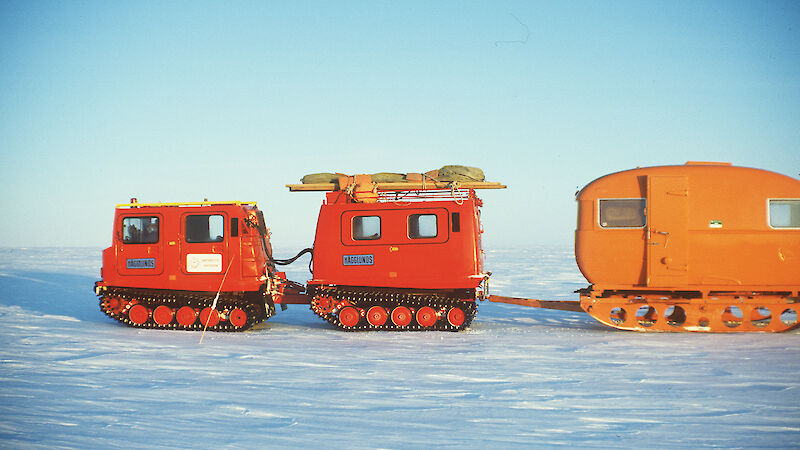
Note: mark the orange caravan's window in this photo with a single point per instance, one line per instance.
(366, 228)
(140, 230)
(784, 213)
(622, 213)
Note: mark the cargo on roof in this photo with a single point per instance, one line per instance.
(444, 178)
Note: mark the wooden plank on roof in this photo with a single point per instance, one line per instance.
(403, 186)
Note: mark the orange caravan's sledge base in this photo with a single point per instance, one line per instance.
(722, 311)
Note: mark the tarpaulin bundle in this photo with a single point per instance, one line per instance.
(445, 174)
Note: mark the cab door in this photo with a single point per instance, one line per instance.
(667, 231)
(204, 243)
(419, 255)
(140, 245)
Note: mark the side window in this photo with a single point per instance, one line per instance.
(623, 213)
(205, 228)
(784, 213)
(140, 230)
(422, 226)
(366, 228)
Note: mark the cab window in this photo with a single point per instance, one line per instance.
(366, 228)
(784, 213)
(205, 228)
(422, 226)
(140, 230)
(622, 213)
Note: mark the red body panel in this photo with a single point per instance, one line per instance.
(172, 262)
(452, 259)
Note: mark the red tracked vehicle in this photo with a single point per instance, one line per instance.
(398, 255)
(190, 265)
(401, 256)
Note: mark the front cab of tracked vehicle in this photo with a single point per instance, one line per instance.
(191, 265)
(187, 247)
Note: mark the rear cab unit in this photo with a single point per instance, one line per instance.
(428, 243)
(397, 256)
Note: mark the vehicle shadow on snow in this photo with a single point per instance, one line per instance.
(51, 293)
(72, 295)
(63, 294)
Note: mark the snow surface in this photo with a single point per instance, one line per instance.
(518, 377)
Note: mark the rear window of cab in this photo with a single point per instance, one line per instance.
(366, 228)
(205, 228)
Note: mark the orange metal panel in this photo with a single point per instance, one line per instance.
(667, 234)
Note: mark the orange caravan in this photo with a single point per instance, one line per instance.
(698, 247)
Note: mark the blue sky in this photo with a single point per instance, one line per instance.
(180, 101)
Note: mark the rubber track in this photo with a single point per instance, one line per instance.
(256, 313)
(365, 299)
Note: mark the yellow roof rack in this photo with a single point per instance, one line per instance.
(135, 204)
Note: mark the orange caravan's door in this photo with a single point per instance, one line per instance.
(667, 231)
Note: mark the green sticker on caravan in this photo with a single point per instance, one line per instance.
(715, 223)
